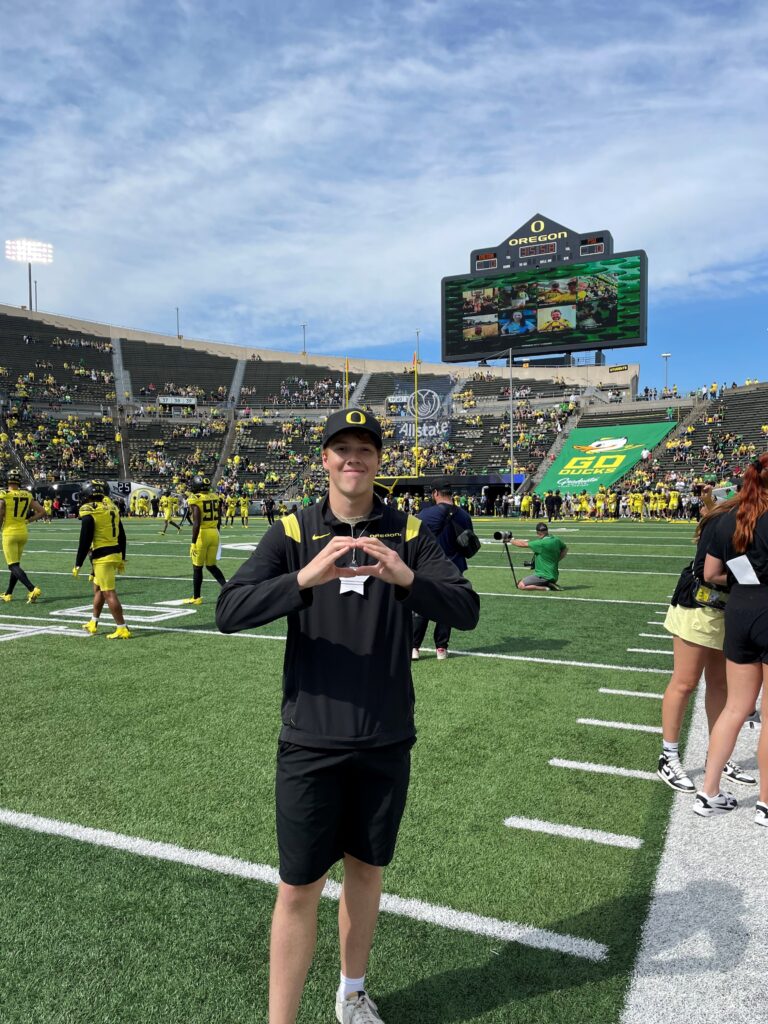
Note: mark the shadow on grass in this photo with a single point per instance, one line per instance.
(520, 644)
(515, 974)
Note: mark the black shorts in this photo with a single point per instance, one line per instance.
(746, 625)
(332, 802)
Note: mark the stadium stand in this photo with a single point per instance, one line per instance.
(268, 384)
(172, 370)
(45, 363)
(169, 451)
(60, 447)
(486, 386)
(382, 386)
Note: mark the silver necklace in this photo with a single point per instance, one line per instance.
(353, 563)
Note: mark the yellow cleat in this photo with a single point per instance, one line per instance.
(33, 595)
(121, 633)
(7, 597)
(90, 627)
(192, 600)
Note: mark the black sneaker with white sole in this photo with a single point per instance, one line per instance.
(736, 773)
(707, 806)
(672, 772)
(761, 813)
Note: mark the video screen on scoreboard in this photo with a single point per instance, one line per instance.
(592, 305)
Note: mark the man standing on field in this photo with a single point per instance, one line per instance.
(348, 572)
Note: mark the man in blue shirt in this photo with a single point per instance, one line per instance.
(444, 520)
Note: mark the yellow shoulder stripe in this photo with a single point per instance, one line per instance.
(291, 527)
(412, 528)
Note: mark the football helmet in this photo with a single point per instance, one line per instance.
(200, 483)
(92, 490)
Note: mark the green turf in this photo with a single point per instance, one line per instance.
(171, 736)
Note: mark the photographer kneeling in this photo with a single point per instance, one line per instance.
(548, 553)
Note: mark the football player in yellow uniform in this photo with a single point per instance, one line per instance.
(231, 510)
(245, 506)
(48, 508)
(204, 507)
(102, 538)
(167, 510)
(17, 510)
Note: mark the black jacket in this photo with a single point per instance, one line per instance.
(347, 669)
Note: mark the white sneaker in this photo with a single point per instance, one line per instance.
(357, 1008)
(706, 806)
(672, 772)
(761, 813)
(736, 773)
(415, 654)
(442, 653)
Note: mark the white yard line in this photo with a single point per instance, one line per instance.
(136, 624)
(589, 835)
(127, 576)
(603, 769)
(560, 661)
(578, 553)
(702, 956)
(559, 597)
(629, 726)
(648, 650)
(631, 693)
(444, 917)
(656, 636)
(602, 572)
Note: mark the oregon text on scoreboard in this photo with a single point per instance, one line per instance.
(546, 289)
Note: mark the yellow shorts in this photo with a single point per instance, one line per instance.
(206, 548)
(104, 570)
(702, 626)
(13, 544)
(167, 516)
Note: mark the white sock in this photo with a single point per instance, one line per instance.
(350, 985)
(671, 749)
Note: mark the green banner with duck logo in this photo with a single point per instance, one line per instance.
(595, 457)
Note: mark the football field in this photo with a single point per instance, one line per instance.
(137, 834)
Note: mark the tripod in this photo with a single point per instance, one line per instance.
(509, 559)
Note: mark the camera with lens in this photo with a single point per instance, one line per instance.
(528, 565)
(503, 535)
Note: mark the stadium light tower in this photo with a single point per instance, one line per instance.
(665, 356)
(303, 338)
(25, 250)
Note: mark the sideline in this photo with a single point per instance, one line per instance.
(702, 955)
(137, 624)
(444, 917)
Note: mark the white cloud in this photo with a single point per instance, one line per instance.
(330, 168)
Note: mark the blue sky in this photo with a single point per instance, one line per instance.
(263, 165)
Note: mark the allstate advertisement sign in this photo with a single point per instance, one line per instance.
(432, 430)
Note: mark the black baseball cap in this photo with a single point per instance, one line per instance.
(542, 528)
(442, 485)
(351, 419)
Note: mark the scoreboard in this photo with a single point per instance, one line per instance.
(545, 290)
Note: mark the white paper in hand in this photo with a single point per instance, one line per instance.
(741, 567)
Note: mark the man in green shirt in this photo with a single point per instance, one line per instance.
(549, 552)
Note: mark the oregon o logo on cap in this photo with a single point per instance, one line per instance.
(355, 417)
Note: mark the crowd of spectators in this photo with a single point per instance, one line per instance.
(192, 391)
(68, 446)
(298, 393)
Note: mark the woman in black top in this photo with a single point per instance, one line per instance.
(698, 633)
(738, 557)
